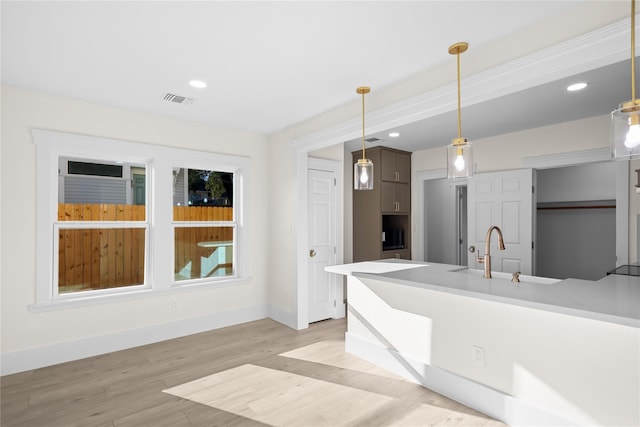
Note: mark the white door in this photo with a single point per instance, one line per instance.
(322, 244)
(504, 199)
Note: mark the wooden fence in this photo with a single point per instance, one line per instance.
(100, 212)
(102, 258)
(202, 213)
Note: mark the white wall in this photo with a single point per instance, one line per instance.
(508, 151)
(594, 181)
(70, 332)
(333, 152)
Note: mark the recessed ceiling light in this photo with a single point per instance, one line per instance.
(577, 86)
(394, 134)
(198, 84)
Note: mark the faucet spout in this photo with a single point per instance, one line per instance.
(486, 259)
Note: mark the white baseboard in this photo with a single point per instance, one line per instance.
(285, 317)
(494, 403)
(24, 360)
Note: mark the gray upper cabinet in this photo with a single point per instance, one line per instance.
(395, 166)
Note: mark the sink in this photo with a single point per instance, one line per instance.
(500, 275)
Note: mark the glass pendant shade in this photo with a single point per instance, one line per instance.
(625, 120)
(363, 168)
(363, 175)
(625, 131)
(459, 159)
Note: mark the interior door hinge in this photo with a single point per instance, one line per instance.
(532, 245)
(533, 189)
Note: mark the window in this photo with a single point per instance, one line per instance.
(110, 225)
(204, 224)
(101, 227)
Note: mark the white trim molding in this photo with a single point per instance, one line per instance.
(547, 161)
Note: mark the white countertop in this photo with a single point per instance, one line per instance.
(614, 298)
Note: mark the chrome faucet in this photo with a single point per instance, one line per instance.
(486, 259)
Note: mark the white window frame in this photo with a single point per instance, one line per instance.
(188, 224)
(159, 162)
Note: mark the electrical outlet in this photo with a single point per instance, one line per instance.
(174, 305)
(477, 355)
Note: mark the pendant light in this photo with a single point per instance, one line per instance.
(459, 154)
(625, 120)
(363, 168)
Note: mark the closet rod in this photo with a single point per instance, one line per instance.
(576, 207)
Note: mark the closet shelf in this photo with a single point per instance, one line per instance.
(546, 208)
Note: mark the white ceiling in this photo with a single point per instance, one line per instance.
(537, 106)
(271, 65)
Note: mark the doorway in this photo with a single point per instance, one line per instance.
(576, 221)
(445, 215)
(324, 292)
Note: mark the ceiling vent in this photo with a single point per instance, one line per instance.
(178, 99)
(372, 140)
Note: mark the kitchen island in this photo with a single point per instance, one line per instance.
(537, 352)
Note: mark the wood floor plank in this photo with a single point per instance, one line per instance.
(125, 388)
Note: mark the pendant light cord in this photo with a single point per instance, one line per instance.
(633, 51)
(363, 156)
(459, 112)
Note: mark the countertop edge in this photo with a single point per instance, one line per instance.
(592, 315)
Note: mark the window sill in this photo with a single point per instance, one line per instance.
(89, 300)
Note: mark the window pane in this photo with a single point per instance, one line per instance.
(100, 258)
(203, 252)
(202, 188)
(94, 194)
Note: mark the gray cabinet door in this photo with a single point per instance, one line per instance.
(396, 198)
(395, 166)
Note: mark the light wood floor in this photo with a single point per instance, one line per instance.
(255, 374)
